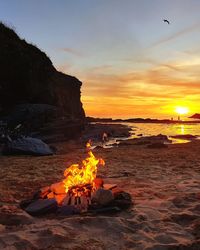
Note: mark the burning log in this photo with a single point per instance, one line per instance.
(50, 195)
(109, 186)
(98, 183)
(84, 203)
(66, 200)
(42, 193)
(79, 196)
(59, 198)
(73, 198)
(58, 188)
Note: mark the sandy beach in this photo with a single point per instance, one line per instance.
(164, 185)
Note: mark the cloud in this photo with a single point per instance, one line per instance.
(147, 92)
(101, 68)
(194, 27)
(150, 61)
(72, 51)
(144, 91)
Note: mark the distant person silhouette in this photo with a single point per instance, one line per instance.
(104, 137)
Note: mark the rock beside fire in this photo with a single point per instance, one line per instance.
(68, 210)
(42, 206)
(102, 196)
(122, 199)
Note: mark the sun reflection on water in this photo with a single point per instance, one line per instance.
(147, 129)
(182, 129)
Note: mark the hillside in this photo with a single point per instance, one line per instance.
(27, 75)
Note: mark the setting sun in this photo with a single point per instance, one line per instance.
(182, 110)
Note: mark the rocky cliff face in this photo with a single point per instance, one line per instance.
(28, 76)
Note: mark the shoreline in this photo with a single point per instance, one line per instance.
(140, 120)
(128, 132)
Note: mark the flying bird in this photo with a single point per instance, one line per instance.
(166, 21)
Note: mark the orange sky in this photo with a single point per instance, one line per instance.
(152, 92)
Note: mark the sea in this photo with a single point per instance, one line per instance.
(149, 129)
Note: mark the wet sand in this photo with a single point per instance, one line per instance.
(164, 184)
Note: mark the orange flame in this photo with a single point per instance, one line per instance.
(77, 175)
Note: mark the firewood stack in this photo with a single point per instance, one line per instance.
(79, 196)
(98, 197)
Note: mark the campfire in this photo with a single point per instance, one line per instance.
(80, 191)
(79, 184)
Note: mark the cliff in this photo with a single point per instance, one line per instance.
(34, 93)
(27, 75)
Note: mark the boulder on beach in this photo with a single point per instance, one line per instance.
(147, 140)
(27, 146)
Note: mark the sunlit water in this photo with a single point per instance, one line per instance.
(148, 129)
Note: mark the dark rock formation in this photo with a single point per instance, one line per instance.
(27, 76)
(195, 116)
(185, 137)
(35, 114)
(155, 141)
(95, 131)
